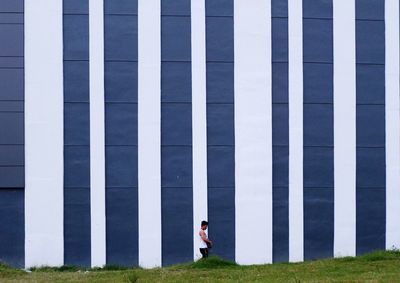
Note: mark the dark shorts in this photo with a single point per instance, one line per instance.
(204, 252)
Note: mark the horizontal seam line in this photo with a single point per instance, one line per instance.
(121, 14)
(369, 20)
(178, 16)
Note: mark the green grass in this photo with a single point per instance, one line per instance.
(375, 267)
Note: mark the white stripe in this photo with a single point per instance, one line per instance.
(344, 99)
(149, 128)
(44, 139)
(199, 121)
(295, 131)
(392, 125)
(253, 132)
(97, 135)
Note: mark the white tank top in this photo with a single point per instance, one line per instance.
(202, 244)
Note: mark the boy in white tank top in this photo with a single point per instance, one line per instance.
(204, 242)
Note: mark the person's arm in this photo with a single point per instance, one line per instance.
(204, 237)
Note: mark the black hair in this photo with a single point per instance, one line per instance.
(204, 223)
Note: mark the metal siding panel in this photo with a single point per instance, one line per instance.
(77, 226)
(76, 81)
(370, 38)
(176, 124)
(121, 7)
(177, 223)
(12, 43)
(121, 82)
(318, 40)
(317, 9)
(318, 223)
(11, 128)
(219, 39)
(371, 219)
(10, 84)
(176, 7)
(219, 7)
(76, 37)
(12, 155)
(280, 82)
(121, 166)
(121, 38)
(280, 52)
(370, 9)
(12, 228)
(221, 221)
(12, 177)
(176, 81)
(76, 124)
(220, 88)
(75, 7)
(122, 226)
(175, 38)
(280, 224)
(370, 84)
(121, 123)
(76, 166)
(318, 83)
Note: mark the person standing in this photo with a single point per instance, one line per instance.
(205, 243)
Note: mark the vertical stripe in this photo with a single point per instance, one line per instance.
(12, 180)
(149, 117)
(220, 127)
(344, 127)
(76, 134)
(176, 133)
(370, 129)
(318, 129)
(295, 11)
(199, 120)
(121, 134)
(44, 118)
(280, 130)
(253, 132)
(392, 124)
(97, 134)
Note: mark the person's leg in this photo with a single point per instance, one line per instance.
(203, 253)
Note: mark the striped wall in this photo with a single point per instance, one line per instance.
(278, 121)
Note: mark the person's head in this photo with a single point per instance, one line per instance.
(204, 225)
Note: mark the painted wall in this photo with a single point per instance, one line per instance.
(270, 119)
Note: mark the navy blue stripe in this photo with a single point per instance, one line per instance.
(318, 129)
(77, 247)
(121, 122)
(220, 126)
(176, 133)
(371, 172)
(280, 130)
(12, 156)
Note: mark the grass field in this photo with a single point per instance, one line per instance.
(375, 267)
